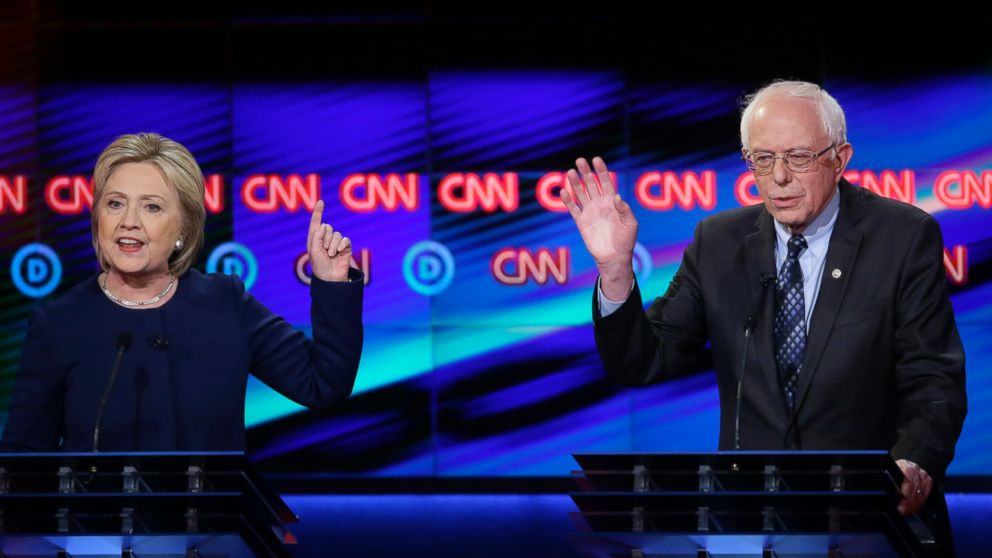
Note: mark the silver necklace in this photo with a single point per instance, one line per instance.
(123, 302)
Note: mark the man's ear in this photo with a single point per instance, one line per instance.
(844, 154)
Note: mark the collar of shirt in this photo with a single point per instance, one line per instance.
(817, 233)
(814, 257)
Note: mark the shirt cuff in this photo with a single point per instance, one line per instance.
(607, 306)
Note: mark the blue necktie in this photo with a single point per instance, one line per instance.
(790, 320)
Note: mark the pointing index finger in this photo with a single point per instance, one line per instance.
(317, 215)
(315, 218)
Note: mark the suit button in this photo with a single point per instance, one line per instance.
(793, 446)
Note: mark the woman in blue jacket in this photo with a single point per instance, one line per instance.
(151, 355)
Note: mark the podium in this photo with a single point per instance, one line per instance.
(138, 504)
(765, 504)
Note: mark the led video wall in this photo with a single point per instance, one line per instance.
(479, 357)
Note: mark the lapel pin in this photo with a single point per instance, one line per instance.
(835, 274)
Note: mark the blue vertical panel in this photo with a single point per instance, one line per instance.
(683, 165)
(76, 122)
(937, 128)
(518, 384)
(333, 131)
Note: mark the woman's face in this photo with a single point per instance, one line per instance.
(138, 221)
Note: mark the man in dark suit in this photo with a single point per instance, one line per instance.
(854, 343)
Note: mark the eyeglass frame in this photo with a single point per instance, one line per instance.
(785, 158)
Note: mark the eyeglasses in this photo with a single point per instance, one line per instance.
(797, 160)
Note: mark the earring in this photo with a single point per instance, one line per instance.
(179, 244)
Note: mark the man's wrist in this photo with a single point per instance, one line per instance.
(615, 281)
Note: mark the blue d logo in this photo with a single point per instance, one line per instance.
(36, 270)
(428, 267)
(232, 258)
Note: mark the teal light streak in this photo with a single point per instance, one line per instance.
(391, 355)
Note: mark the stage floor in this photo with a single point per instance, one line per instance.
(503, 525)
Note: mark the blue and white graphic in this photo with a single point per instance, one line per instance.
(428, 267)
(36, 270)
(232, 258)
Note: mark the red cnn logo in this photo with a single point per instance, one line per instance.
(463, 193)
(970, 189)
(956, 264)
(364, 193)
(69, 195)
(266, 194)
(213, 193)
(511, 266)
(745, 190)
(889, 184)
(549, 187)
(13, 194)
(661, 191)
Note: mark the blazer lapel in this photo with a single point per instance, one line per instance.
(759, 253)
(841, 254)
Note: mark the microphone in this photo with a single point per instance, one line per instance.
(748, 328)
(749, 322)
(123, 344)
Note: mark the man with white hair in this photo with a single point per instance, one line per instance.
(826, 305)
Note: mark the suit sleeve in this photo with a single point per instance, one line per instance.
(37, 407)
(639, 347)
(314, 373)
(930, 365)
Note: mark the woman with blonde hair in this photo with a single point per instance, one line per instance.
(152, 355)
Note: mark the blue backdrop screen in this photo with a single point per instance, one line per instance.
(479, 356)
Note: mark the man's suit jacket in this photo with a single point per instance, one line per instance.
(884, 365)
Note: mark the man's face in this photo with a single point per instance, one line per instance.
(781, 124)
